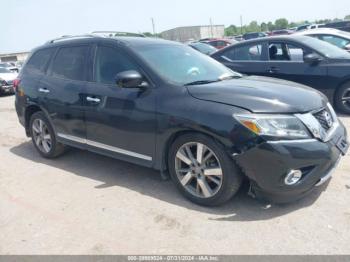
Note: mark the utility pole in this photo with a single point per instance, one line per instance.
(153, 26)
(241, 25)
(211, 28)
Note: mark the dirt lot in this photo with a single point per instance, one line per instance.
(83, 203)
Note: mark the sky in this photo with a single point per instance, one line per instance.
(26, 24)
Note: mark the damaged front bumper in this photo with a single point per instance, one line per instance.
(268, 163)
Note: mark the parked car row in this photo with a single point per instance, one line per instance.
(7, 78)
(164, 105)
(298, 58)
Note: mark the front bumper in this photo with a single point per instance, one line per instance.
(268, 163)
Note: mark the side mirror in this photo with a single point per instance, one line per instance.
(130, 79)
(312, 58)
(347, 47)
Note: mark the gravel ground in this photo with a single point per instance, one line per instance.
(83, 203)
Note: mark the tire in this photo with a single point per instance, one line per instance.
(46, 148)
(342, 92)
(199, 177)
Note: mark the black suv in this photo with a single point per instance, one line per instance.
(164, 105)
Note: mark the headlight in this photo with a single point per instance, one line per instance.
(280, 126)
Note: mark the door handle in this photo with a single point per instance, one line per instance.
(43, 90)
(272, 70)
(93, 99)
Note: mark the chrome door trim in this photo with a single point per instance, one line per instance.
(104, 146)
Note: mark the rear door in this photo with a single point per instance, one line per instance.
(246, 59)
(63, 87)
(286, 61)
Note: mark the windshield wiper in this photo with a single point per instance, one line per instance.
(231, 77)
(201, 82)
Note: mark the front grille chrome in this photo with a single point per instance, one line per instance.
(321, 123)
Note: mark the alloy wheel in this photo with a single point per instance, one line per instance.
(346, 98)
(198, 169)
(41, 136)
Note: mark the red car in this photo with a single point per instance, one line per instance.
(218, 43)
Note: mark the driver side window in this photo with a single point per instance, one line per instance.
(286, 52)
(109, 62)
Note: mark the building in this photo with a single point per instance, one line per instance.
(14, 57)
(188, 33)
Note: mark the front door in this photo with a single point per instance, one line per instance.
(119, 121)
(286, 61)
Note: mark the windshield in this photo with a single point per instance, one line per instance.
(182, 65)
(4, 70)
(325, 48)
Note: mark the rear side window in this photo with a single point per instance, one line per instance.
(244, 53)
(70, 63)
(110, 62)
(38, 61)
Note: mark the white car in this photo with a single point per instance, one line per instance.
(336, 37)
(6, 80)
(9, 66)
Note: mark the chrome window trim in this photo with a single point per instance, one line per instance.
(104, 146)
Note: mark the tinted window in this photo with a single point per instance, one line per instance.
(245, 53)
(38, 61)
(110, 62)
(70, 63)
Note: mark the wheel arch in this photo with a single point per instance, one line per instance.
(173, 136)
(29, 111)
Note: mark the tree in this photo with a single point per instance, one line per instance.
(231, 30)
(281, 23)
(264, 27)
(253, 27)
(271, 26)
(347, 17)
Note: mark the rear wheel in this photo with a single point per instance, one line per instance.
(342, 98)
(202, 170)
(43, 136)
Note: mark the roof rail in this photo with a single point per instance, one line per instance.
(69, 37)
(116, 34)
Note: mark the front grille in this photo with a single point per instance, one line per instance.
(325, 118)
(10, 82)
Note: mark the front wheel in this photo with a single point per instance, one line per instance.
(342, 98)
(202, 170)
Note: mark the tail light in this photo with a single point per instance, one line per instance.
(16, 83)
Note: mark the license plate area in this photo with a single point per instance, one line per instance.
(343, 145)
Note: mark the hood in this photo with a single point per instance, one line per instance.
(8, 76)
(261, 95)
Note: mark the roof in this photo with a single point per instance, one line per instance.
(125, 40)
(320, 31)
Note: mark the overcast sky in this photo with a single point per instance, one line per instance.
(26, 24)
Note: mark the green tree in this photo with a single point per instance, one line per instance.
(264, 27)
(231, 30)
(271, 26)
(347, 17)
(253, 27)
(281, 23)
